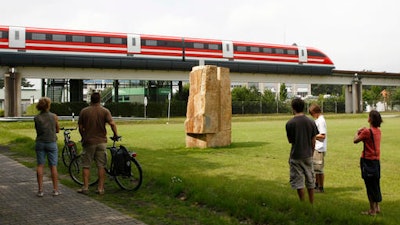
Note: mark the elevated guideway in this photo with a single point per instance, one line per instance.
(17, 65)
(338, 77)
(57, 66)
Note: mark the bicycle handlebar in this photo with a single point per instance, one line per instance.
(116, 138)
(66, 128)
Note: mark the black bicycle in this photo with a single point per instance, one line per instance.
(70, 150)
(121, 167)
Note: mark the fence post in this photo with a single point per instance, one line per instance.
(145, 106)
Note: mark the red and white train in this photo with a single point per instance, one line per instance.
(40, 40)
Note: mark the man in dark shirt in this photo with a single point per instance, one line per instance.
(301, 132)
(92, 127)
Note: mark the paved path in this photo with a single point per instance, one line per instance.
(20, 205)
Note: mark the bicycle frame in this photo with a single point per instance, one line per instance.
(69, 150)
(67, 133)
(130, 181)
(113, 149)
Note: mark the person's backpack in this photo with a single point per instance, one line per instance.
(122, 162)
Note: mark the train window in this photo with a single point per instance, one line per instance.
(213, 46)
(291, 52)
(59, 37)
(241, 48)
(315, 53)
(198, 45)
(16, 35)
(279, 51)
(133, 41)
(119, 41)
(96, 39)
(254, 49)
(78, 38)
(161, 43)
(151, 42)
(37, 36)
(175, 44)
(188, 45)
(267, 50)
(3, 34)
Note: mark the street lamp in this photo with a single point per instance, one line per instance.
(356, 79)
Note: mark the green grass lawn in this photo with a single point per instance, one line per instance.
(245, 183)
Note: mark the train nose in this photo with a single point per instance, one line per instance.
(328, 61)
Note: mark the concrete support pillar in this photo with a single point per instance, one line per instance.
(357, 95)
(348, 98)
(353, 96)
(76, 90)
(12, 94)
(116, 90)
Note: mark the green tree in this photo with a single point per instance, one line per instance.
(183, 95)
(268, 96)
(372, 94)
(245, 94)
(317, 89)
(24, 83)
(283, 92)
(395, 95)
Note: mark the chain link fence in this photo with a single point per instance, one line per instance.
(178, 108)
(259, 107)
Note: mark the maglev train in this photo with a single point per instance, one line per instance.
(48, 41)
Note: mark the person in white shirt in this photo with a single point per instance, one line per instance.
(320, 147)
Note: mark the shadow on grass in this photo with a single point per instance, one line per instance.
(249, 144)
(254, 201)
(341, 190)
(233, 145)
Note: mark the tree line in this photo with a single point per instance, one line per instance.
(248, 100)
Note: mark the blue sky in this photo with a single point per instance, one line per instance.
(356, 34)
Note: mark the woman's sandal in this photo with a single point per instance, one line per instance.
(100, 192)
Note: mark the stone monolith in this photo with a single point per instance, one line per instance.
(209, 109)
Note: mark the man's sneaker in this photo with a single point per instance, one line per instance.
(56, 193)
(319, 190)
(40, 194)
(83, 191)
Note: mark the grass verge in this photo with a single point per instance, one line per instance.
(245, 183)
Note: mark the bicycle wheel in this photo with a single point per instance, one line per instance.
(76, 171)
(69, 152)
(134, 180)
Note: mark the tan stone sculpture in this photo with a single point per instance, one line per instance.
(209, 109)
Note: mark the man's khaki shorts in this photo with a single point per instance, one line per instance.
(318, 162)
(301, 173)
(95, 152)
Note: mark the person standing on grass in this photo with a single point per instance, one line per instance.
(371, 155)
(92, 127)
(320, 147)
(47, 127)
(301, 133)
